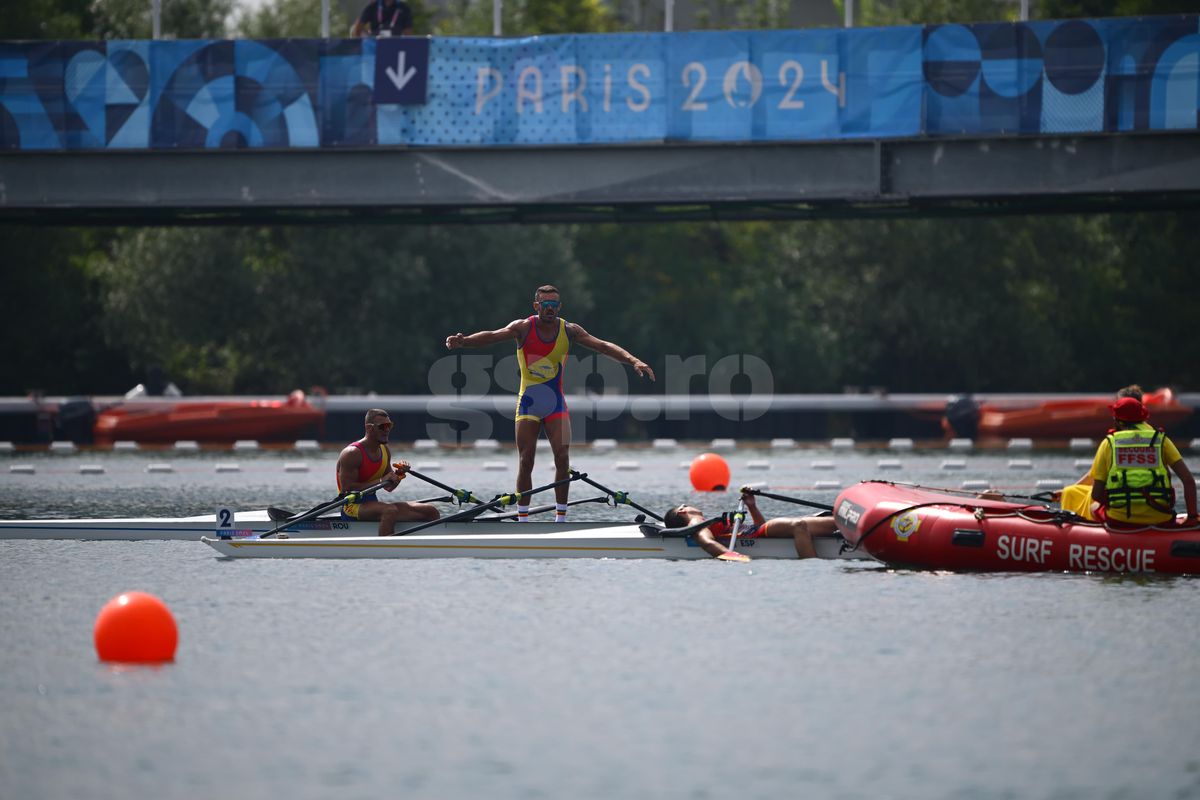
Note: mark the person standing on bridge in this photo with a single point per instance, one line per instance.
(384, 18)
(1129, 474)
(542, 344)
(367, 462)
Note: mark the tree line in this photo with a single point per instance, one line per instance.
(980, 304)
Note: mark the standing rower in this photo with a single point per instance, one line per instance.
(367, 462)
(542, 344)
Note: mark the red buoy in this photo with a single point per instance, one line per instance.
(709, 473)
(135, 628)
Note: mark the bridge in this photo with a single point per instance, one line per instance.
(1079, 115)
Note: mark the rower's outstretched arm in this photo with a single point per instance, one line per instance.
(709, 544)
(613, 351)
(513, 330)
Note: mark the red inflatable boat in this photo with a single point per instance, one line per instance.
(209, 420)
(1062, 419)
(907, 526)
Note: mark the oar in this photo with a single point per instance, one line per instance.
(541, 509)
(786, 499)
(738, 516)
(498, 500)
(461, 495)
(342, 499)
(283, 515)
(619, 498)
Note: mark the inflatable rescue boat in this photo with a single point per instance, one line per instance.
(1053, 419)
(209, 420)
(914, 527)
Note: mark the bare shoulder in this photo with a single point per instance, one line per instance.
(574, 330)
(518, 327)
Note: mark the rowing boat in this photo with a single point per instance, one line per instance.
(322, 532)
(332, 537)
(253, 524)
(245, 524)
(514, 540)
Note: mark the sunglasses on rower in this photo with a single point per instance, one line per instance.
(549, 303)
(383, 426)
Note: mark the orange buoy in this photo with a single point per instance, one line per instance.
(709, 473)
(135, 628)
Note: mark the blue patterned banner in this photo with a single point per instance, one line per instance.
(1075, 76)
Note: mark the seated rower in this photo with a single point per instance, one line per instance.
(368, 461)
(800, 530)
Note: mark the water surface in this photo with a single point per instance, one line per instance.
(581, 678)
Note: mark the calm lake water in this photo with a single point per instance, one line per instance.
(581, 678)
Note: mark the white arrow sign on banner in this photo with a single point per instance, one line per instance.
(401, 70)
(400, 76)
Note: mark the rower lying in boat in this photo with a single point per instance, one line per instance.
(800, 530)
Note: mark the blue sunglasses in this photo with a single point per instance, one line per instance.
(549, 303)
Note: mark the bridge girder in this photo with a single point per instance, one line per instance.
(642, 183)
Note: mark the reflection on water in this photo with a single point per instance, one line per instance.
(578, 679)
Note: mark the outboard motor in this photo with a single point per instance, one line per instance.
(74, 420)
(961, 417)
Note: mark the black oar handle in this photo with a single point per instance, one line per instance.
(786, 499)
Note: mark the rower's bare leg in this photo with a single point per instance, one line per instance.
(558, 431)
(526, 437)
(417, 512)
(386, 513)
(802, 530)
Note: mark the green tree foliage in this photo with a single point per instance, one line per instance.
(50, 315)
(923, 12)
(1037, 303)
(285, 19)
(46, 19)
(942, 305)
(180, 19)
(528, 18)
(869, 13)
(1064, 9)
(364, 308)
(740, 14)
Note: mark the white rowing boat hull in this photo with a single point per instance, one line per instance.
(330, 537)
(246, 524)
(620, 541)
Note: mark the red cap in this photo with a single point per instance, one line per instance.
(1129, 409)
